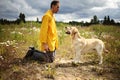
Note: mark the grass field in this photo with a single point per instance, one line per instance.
(16, 39)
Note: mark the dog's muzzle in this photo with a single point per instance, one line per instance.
(67, 32)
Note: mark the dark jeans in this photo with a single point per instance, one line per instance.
(37, 55)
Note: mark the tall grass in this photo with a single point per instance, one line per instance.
(15, 40)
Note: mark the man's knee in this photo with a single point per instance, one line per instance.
(51, 57)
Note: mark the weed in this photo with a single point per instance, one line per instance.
(49, 71)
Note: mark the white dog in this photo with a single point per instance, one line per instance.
(82, 45)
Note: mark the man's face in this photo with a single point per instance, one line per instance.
(56, 8)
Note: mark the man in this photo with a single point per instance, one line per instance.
(48, 32)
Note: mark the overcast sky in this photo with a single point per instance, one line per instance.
(76, 10)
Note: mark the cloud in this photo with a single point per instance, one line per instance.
(69, 9)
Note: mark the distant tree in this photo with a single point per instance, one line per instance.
(92, 21)
(18, 21)
(1, 21)
(95, 20)
(75, 23)
(105, 20)
(87, 24)
(82, 23)
(112, 22)
(22, 17)
(37, 20)
(108, 20)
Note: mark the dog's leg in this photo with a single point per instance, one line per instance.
(77, 57)
(99, 51)
(101, 57)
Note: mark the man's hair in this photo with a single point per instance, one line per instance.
(54, 2)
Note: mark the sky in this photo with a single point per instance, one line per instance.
(70, 10)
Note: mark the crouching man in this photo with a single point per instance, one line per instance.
(48, 32)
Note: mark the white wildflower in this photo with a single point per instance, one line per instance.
(23, 29)
(35, 29)
(59, 32)
(20, 33)
(1, 57)
(7, 45)
(13, 32)
(2, 43)
(8, 42)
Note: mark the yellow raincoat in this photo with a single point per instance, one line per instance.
(48, 32)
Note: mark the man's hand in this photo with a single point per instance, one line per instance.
(45, 45)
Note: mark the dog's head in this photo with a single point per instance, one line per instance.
(71, 30)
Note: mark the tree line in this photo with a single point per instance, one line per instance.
(20, 19)
(17, 21)
(95, 20)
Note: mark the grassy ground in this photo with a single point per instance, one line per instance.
(15, 40)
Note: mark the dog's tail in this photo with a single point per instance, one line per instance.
(105, 50)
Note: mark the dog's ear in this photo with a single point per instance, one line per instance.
(74, 30)
(70, 27)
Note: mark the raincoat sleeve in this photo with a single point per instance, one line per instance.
(44, 29)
